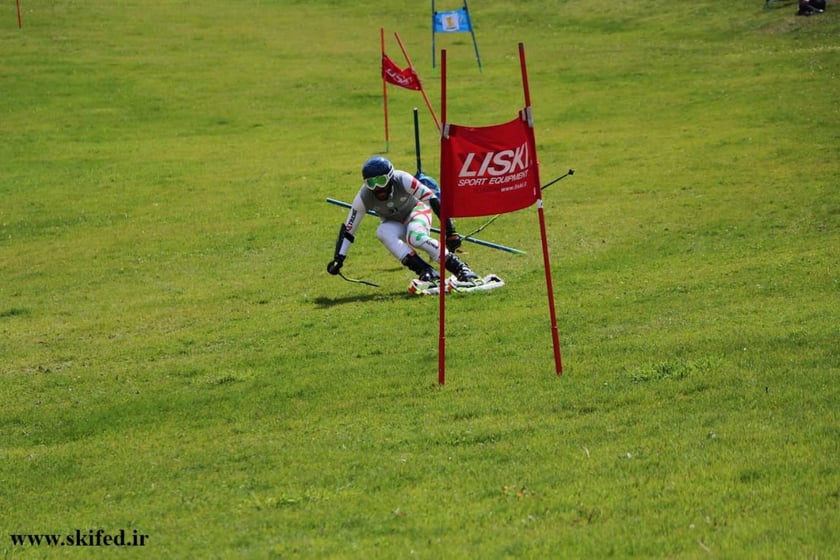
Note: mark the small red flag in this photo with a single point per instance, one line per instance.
(489, 170)
(393, 74)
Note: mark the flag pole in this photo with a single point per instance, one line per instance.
(417, 143)
(555, 337)
(384, 85)
(419, 81)
(472, 32)
(20, 22)
(434, 56)
(444, 213)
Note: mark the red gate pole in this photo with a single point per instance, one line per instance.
(555, 337)
(384, 86)
(443, 215)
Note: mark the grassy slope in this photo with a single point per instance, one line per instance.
(175, 359)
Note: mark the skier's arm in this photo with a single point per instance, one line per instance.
(453, 239)
(347, 235)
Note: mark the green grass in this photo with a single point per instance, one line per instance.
(176, 361)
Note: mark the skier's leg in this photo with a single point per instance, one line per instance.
(418, 228)
(391, 235)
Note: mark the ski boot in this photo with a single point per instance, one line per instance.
(424, 271)
(460, 269)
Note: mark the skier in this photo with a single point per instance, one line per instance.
(404, 205)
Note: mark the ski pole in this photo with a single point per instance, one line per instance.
(569, 172)
(358, 281)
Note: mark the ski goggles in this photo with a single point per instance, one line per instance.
(378, 182)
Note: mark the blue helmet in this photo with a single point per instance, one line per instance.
(376, 167)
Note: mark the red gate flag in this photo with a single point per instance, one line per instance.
(408, 79)
(489, 170)
(393, 74)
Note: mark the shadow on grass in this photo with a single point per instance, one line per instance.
(13, 312)
(778, 3)
(324, 302)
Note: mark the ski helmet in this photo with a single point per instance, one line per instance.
(377, 167)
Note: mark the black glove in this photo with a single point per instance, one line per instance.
(335, 265)
(453, 242)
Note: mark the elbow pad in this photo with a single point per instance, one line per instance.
(345, 238)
